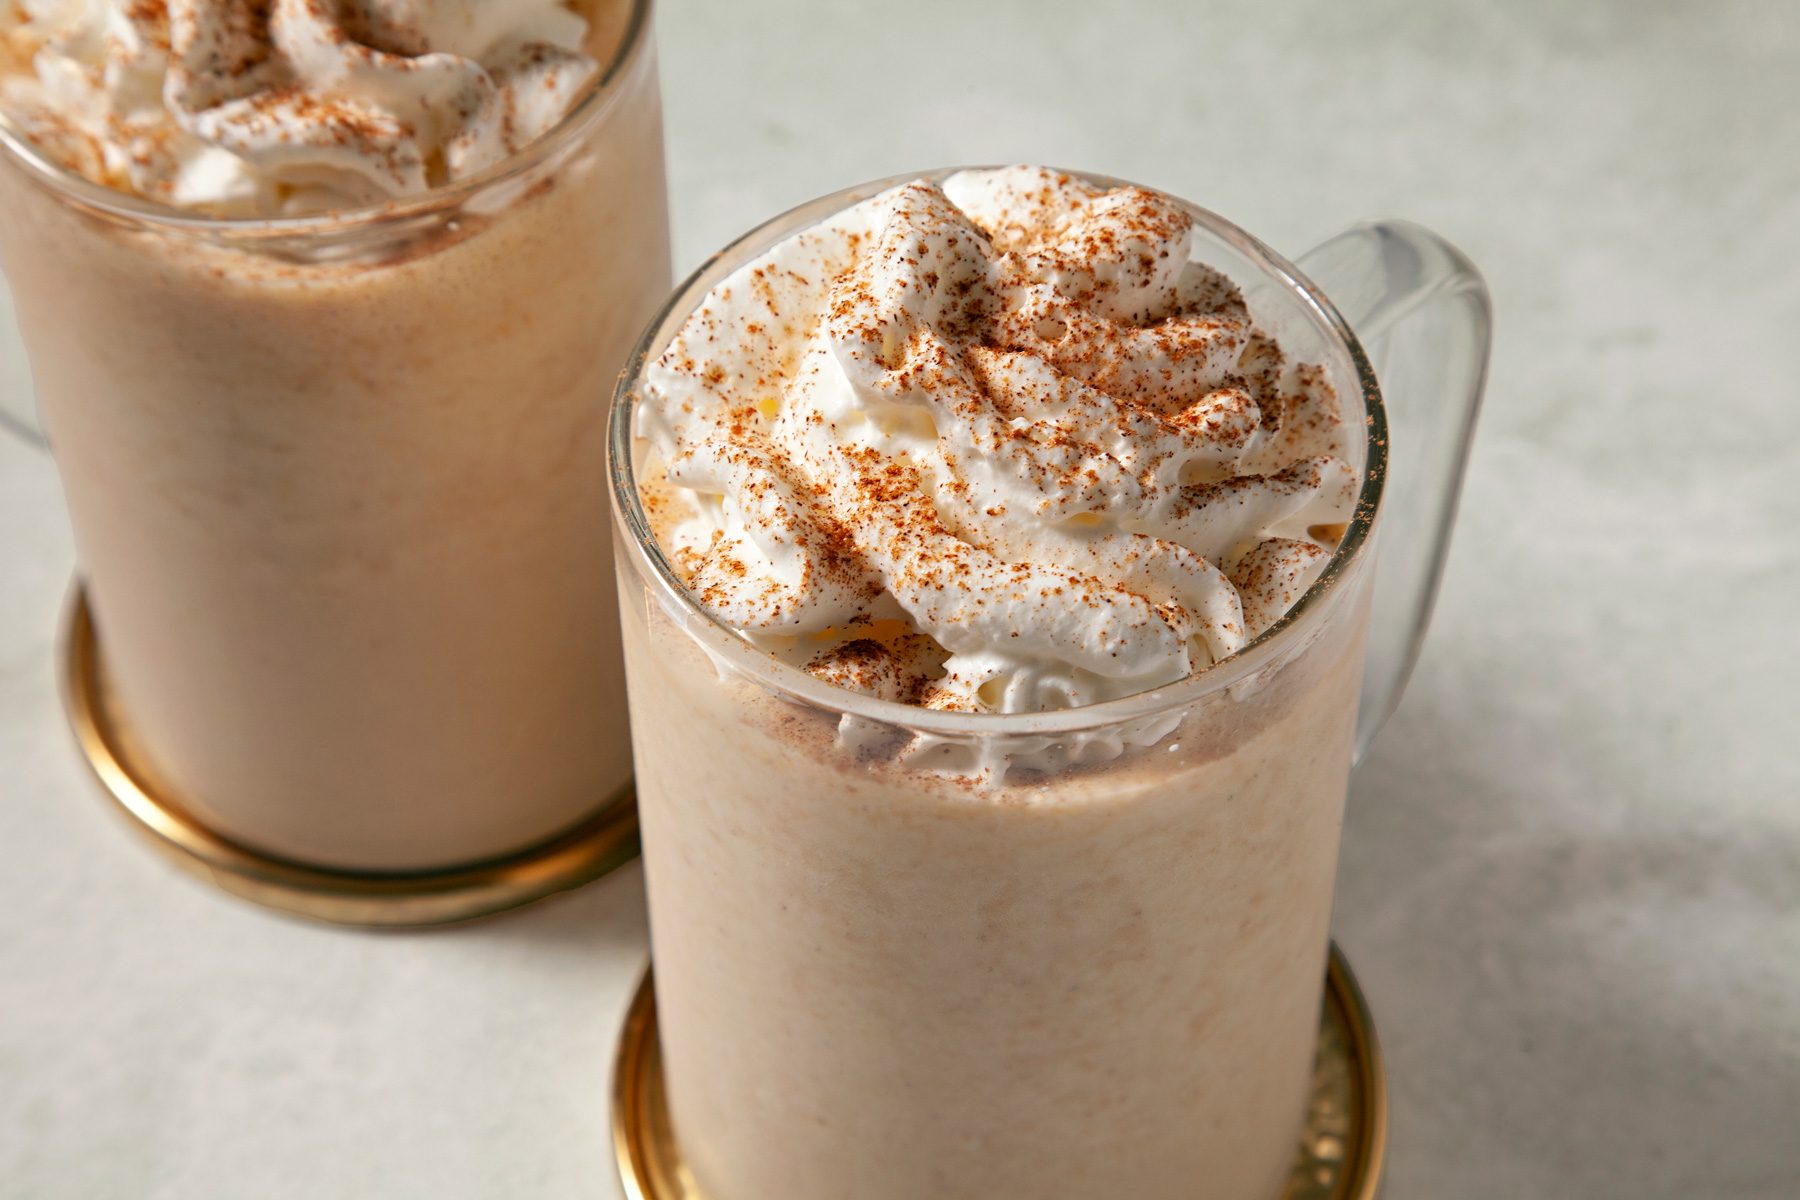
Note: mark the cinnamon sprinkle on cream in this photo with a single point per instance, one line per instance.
(1012, 451)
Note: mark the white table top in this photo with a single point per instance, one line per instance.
(1571, 876)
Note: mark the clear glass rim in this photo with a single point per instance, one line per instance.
(584, 115)
(1270, 646)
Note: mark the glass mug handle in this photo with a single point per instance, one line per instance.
(18, 413)
(18, 419)
(1422, 313)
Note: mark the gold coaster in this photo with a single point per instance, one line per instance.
(584, 853)
(1339, 1157)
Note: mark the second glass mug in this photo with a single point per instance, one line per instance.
(335, 483)
(1099, 981)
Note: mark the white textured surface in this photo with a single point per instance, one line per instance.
(1571, 878)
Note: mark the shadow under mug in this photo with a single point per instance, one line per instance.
(342, 640)
(828, 858)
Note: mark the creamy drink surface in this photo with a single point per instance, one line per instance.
(994, 446)
(337, 487)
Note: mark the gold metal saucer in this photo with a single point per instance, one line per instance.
(377, 899)
(1339, 1157)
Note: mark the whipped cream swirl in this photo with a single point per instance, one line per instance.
(994, 447)
(256, 107)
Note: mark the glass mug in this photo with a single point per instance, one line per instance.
(1100, 981)
(335, 483)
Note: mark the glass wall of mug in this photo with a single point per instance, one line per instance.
(337, 481)
(902, 952)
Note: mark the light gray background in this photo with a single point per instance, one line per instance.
(1571, 877)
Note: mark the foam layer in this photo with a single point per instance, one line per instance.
(995, 447)
(284, 106)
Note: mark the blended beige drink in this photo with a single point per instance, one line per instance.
(324, 366)
(990, 847)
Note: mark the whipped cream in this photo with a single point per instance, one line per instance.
(256, 107)
(994, 447)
